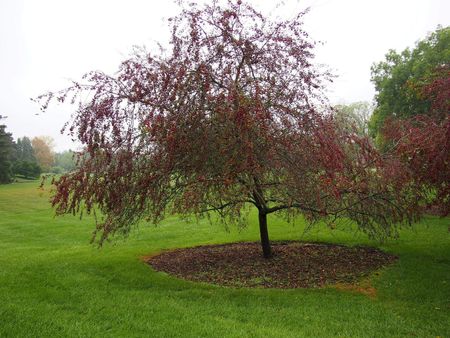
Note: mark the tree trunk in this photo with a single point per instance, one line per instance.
(265, 243)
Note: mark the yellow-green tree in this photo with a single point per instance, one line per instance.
(43, 150)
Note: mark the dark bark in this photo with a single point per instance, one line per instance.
(265, 242)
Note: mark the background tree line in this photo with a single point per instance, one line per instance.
(28, 158)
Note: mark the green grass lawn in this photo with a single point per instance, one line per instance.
(54, 283)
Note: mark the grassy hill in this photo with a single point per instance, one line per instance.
(54, 283)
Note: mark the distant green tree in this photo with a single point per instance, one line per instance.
(18, 151)
(25, 151)
(27, 169)
(6, 153)
(25, 163)
(399, 78)
(354, 116)
(65, 160)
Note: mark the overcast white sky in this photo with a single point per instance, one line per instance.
(44, 43)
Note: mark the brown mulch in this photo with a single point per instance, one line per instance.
(294, 264)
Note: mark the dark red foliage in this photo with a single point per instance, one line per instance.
(231, 116)
(437, 91)
(423, 143)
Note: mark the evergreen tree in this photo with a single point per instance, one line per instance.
(25, 163)
(27, 169)
(25, 151)
(18, 149)
(6, 150)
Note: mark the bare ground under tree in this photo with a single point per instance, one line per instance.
(294, 264)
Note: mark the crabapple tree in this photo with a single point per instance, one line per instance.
(230, 116)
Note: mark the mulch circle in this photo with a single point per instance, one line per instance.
(294, 264)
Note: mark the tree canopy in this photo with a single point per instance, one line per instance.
(354, 116)
(43, 151)
(230, 116)
(66, 160)
(25, 163)
(412, 116)
(399, 78)
(422, 142)
(24, 150)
